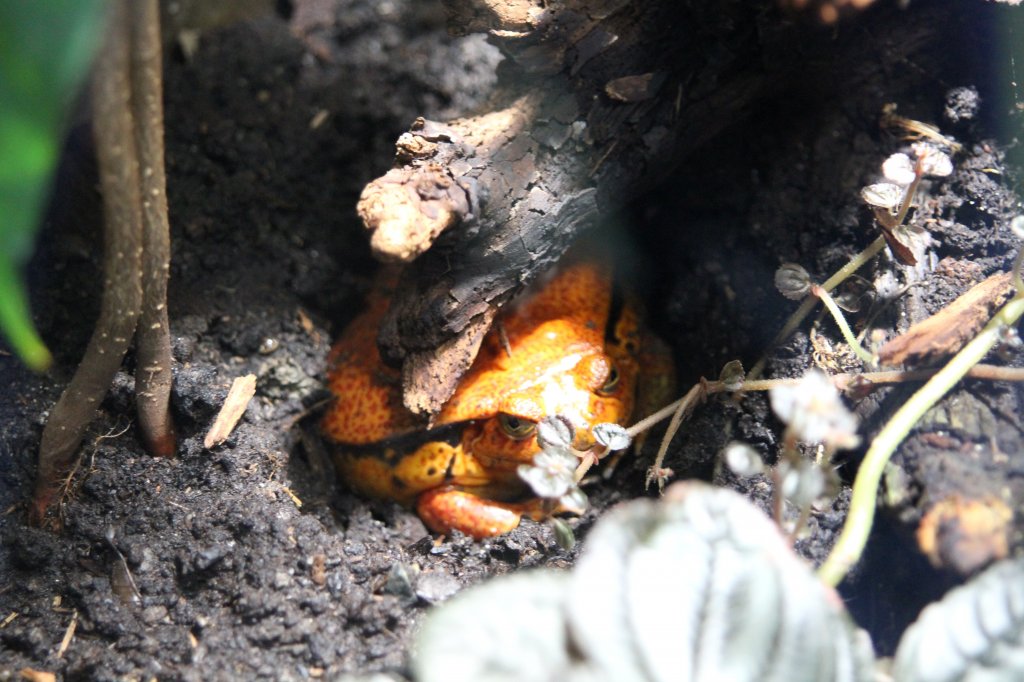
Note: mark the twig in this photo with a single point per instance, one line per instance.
(683, 409)
(69, 633)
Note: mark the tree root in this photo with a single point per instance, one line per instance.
(128, 127)
(153, 371)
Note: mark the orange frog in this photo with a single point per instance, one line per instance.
(567, 347)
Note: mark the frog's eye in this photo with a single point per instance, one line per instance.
(611, 382)
(516, 428)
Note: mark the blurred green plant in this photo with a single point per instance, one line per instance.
(46, 47)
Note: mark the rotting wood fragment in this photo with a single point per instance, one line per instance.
(948, 330)
(242, 391)
(965, 534)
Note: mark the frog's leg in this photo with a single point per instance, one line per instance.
(446, 509)
(655, 388)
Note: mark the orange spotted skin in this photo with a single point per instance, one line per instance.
(561, 348)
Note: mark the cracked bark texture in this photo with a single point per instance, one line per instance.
(595, 100)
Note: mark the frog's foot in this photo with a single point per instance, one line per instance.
(445, 509)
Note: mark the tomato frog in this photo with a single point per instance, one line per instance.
(569, 345)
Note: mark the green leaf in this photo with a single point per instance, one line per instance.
(46, 47)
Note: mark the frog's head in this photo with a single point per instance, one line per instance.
(558, 367)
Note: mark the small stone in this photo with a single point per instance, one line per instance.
(436, 587)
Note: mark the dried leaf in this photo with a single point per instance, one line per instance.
(242, 391)
(948, 330)
(904, 254)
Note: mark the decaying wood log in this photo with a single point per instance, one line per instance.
(586, 111)
(596, 100)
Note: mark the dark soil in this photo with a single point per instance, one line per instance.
(247, 561)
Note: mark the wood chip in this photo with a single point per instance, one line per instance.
(34, 675)
(318, 569)
(948, 330)
(294, 498)
(242, 391)
(633, 88)
(68, 635)
(305, 322)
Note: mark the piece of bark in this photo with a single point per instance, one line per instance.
(948, 330)
(241, 392)
(426, 374)
(633, 88)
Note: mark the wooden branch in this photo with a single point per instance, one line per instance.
(153, 366)
(122, 290)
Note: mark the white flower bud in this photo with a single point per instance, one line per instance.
(899, 169)
(611, 436)
(743, 460)
(813, 410)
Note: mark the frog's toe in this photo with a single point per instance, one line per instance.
(444, 510)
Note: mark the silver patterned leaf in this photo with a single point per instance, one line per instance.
(697, 587)
(973, 634)
(702, 587)
(510, 629)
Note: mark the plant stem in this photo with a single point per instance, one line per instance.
(844, 328)
(860, 518)
(808, 304)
